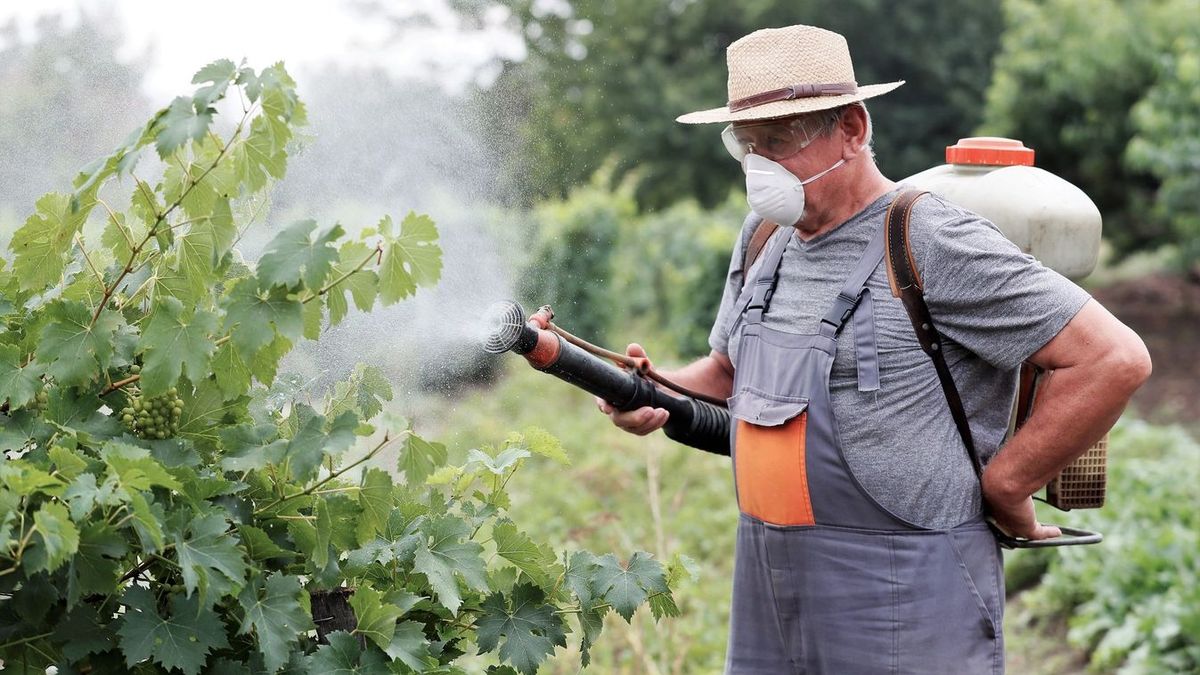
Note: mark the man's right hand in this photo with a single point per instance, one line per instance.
(641, 421)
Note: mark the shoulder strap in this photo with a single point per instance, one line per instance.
(906, 285)
(762, 234)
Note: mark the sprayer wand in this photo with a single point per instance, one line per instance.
(695, 419)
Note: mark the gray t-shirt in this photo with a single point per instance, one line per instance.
(994, 305)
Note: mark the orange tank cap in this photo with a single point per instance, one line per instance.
(990, 151)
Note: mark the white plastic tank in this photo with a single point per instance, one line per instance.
(1043, 214)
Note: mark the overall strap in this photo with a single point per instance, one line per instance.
(906, 285)
(854, 300)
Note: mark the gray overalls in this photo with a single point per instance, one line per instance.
(825, 579)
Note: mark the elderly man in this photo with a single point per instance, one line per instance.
(862, 545)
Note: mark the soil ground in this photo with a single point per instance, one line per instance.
(1165, 311)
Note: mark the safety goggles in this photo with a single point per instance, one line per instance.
(773, 139)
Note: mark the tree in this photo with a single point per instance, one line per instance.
(1100, 89)
(606, 78)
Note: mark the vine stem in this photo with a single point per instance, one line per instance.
(145, 564)
(22, 641)
(119, 383)
(113, 216)
(603, 605)
(88, 258)
(387, 439)
(160, 218)
(375, 252)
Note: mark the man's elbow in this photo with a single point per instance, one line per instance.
(1129, 363)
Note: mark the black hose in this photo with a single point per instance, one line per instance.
(694, 423)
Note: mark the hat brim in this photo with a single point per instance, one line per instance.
(786, 108)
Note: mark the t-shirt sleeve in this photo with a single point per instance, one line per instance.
(982, 290)
(718, 337)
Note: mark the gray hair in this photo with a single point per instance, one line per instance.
(825, 121)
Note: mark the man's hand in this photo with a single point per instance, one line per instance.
(1015, 517)
(641, 421)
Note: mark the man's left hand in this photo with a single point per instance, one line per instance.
(1015, 517)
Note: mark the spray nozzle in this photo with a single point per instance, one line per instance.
(503, 323)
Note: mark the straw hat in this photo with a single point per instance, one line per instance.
(777, 72)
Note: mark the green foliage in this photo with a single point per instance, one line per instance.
(611, 273)
(1135, 606)
(166, 504)
(573, 261)
(604, 80)
(1105, 92)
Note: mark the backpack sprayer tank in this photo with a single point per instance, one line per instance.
(1053, 221)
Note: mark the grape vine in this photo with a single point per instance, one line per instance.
(169, 502)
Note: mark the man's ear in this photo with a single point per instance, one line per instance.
(854, 131)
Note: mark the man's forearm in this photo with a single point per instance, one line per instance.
(1075, 408)
(710, 375)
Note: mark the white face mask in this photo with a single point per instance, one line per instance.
(774, 192)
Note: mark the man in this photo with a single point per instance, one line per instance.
(861, 547)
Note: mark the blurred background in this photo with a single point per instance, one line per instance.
(539, 134)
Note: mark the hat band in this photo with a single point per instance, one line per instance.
(794, 91)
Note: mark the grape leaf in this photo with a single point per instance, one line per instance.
(251, 313)
(216, 77)
(444, 555)
(183, 120)
(375, 498)
(147, 520)
(18, 385)
(516, 547)
(42, 243)
(410, 259)
(259, 545)
(274, 613)
(74, 349)
(173, 343)
(261, 155)
(56, 539)
(323, 526)
(83, 631)
(67, 464)
(135, 468)
(181, 641)
(209, 558)
(231, 372)
(500, 463)
(541, 442)
(418, 458)
(312, 443)
(529, 626)
(627, 586)
(376, 618)
(95, 569)
(409, 645)
(251, 447)
(206, 410)
(363, 284)
(344, 656)
(294, 256)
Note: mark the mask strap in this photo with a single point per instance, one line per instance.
(836, 165)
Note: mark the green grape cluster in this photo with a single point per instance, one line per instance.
(153, 418)
(41, 401)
